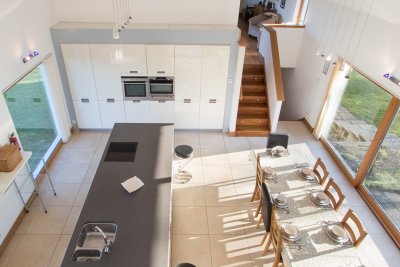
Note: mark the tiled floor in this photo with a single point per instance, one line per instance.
(213, 220)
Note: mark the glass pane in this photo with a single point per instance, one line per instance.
(361, 108)
(383, 179)
(31, 114)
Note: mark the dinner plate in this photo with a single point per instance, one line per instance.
(320, 198)
(290, 232)
(269, 173)
(280, 201)
(279, 151)
(337, 233)
(305, 176)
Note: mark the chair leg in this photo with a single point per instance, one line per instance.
(259, 222)
(268, 245)
(264, 238)
(255, 195)
(276, 260)
(258, 209)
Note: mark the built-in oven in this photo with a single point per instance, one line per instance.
(161, 88)
(135, 88)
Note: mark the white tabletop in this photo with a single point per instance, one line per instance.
(7, 178)
(317, 248)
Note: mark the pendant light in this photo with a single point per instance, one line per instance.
(324, 53)
(318, 52)
(122, 16)
(332, 51)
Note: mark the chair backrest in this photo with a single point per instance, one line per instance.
(260, 174)
(266, 204)
(350, 215)
(276, 238)
(275, 139)
(320, 171)
(328, 191)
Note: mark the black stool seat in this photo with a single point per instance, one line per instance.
(184, 151)
(185, 265)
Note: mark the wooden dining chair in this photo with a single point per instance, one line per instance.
(339, 198)
(320, 171)
(257, 188)
(275, 239)
(350, 215)
(277, 139)
(266, 211)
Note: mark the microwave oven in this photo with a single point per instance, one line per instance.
(135, 88)
(161, 88)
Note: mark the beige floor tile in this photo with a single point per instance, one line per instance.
(85, 139)
(196, 170)
(283, 127)
(254, 243)
(189, 195)
(244, 191)
(66, 195)
(258, 142)
(241, 157)
(10, 250)
(225, 220)
(243, 171)
(34, 251)
(82, 194)
(72, 220)
(187, 137)
(297, 128)
(189, 220)
(211, 139)
(59, 251)
(236, 143)
(71, 173)
(49, 223)
(250, 221)
(28, 219)
(229, 251)
(90, 173)
(211, 156)
(221, 194)
(80, 155)
(191, 248)
(216, 173)
(379, 250)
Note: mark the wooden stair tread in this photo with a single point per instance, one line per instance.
(250, 130)
(252, 105)
(254, 94)
(252, 116)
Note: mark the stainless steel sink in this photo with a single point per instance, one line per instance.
(91, 242)
(86, 255)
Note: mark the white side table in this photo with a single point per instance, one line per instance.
(9, 178)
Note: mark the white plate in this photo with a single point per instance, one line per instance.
(307, 177)
(337, 233)
(290, 232)
(280, 201)
(320, 198)
(279, 151)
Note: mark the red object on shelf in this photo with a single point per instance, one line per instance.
(14, 140)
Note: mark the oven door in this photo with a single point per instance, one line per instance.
(161, 88)
(135, 90)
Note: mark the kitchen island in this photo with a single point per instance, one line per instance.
(143, 217)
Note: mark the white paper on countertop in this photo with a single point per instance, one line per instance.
(132, 184)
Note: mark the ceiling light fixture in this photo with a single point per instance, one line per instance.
(122, 16)
(30, 56)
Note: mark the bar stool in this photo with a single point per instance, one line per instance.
(185, 265)
(185, 154)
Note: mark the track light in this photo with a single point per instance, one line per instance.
(30, 56)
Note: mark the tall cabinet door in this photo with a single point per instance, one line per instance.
(78, 64)
(111, 112)
(187, 86)
(106, 71)
(214, 80)
(160, 60)
(137, 111)
(87, 114)
(132, 59)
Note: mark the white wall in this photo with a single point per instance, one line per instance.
(289, 43)
(287, 13)
(221, 12)
(24, 26)
(374, 51)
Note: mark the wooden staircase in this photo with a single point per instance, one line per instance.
(252, 118)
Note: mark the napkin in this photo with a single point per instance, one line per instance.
(132, 184)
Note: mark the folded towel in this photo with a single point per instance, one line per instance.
(132, 184)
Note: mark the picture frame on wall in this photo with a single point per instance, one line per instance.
(283, 3)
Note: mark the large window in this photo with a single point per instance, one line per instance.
(29, 107)
(358, 115)
(383, 178)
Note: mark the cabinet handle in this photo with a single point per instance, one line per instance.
(110, 100)
(161, 101)
(136, 101)
(187, 100)
(133, 71)
(212, 101)
(160, 71)
(85, 100)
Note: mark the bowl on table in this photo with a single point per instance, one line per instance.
(290, 232)
(320, 198)
(337, 233)
(307, 174)
(280, 201)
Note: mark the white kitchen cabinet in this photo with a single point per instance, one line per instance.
(111, 112)
(106, 71)
(187, 113)
(162, 111)
(188, 71)
(212, 113)
(78, 65)
(87, 114)
(214, 71)
(160, 60)
(137, 111)
(132, 59)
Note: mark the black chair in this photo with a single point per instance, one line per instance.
(275, 139)
(266, 211)
(185, 265)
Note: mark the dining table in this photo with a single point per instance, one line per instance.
(315, 247)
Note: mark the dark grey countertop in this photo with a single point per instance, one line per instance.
(143, 217)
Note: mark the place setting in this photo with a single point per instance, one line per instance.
(336, 232)
(278, 151)
(270, 174)
(281, 202)
(321, 200)
(292, 236)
